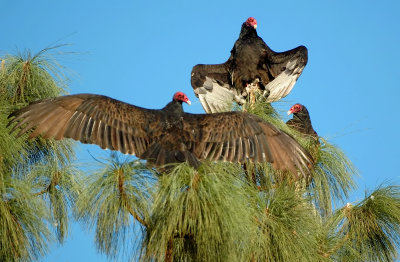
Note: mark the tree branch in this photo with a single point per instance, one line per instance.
(54, 181)
(123, 196)
(169, 252)
(338, 246)
(136, 216)
(41, 192)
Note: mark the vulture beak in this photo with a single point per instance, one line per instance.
(188, 102)
(289, 112)
(255, 26)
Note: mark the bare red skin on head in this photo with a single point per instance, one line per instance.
(296, 108)
(181, 97)
(251, 21)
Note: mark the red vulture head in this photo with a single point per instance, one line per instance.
(295, 109)
(181, 97)
(251, 21)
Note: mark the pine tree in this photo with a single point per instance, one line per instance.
(38, 183)
(220, 212)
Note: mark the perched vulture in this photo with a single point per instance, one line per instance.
(163, 136)
(301, 121)
(252, 64)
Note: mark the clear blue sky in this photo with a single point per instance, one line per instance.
(143, 51)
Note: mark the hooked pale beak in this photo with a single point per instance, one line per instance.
(188, 102)
(289, 112)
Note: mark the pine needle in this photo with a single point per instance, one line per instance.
(115, 196)
(37, 182)
(201, 215)
(372, 227)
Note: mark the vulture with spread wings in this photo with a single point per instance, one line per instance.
(252, 65)
(163, 136)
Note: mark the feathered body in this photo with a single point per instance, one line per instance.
(251, 63)
(301, 121)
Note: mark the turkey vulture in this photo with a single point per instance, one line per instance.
(162, 136)
(301, 121)
(251, 64)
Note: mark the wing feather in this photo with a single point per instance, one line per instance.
(237, 137)
(232, 148)
(212, 85)
(238, 151)
(285, 68)
(92, 119)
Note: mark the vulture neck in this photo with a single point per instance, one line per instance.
(173, 108)
(247, 31)
(303, 117)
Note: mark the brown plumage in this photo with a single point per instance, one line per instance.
(301, 121)
(162, 136)
(252, 64)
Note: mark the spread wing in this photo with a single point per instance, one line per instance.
(286, 68)
(238, 136)
(112, 124)
(212, 85)
(91, 119)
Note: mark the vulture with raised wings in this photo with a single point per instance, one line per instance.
(163, 136)
(251, 65)
(301, 121)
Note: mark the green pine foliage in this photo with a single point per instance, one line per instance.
(117, 193)
(370, 229)
(26, 77)
(59, 186)
(201, 215)
(24, 231)
(38, 183)
(333, 179)
(288, 226)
